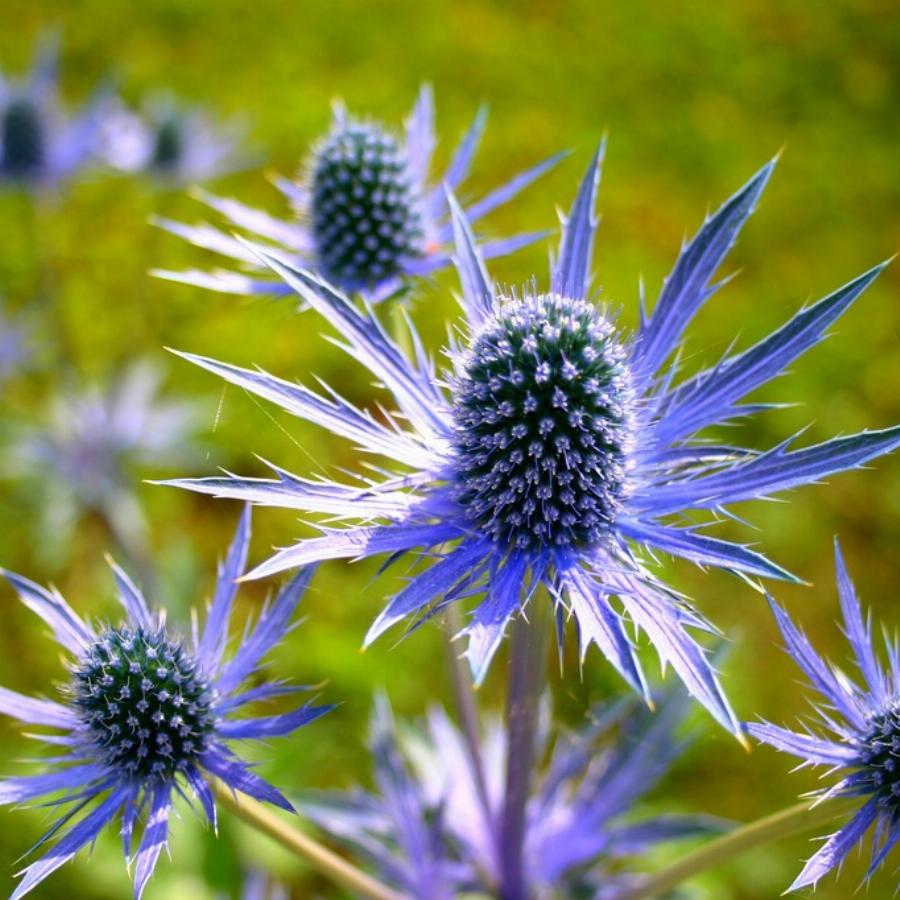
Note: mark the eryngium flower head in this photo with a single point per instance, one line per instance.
(434, 825)
(40, 147)
(85, 454)
(174, 144)
(858, 732)
(367, 213)
(555, 447)
(148, 714)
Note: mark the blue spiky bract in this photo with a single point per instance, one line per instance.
(147, 715)
(369, 211)
(857, 733)
(554, 449)
(434, 823)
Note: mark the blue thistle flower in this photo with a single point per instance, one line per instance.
(433, 826)
(39, 146)
(174, 144)
(858, 732)
(367, 213)
(554, 449)
(147, 714)
(85, 453)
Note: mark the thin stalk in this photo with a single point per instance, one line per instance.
(465, 707)
(787, 823)
(319, 857)
(526, 680)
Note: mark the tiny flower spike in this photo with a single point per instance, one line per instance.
(432, 829)
(147, 714)
(367, 215)
(175, 145)
(553, 449)
(859, 732)
(39, 147)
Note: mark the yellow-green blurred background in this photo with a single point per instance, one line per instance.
(694, 97)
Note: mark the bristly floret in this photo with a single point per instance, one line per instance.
(366, 213)
(147, 716)
(858, 732)
(543, 423)
(144, 702)
(22, 140)
(881, 759)
(483, 483)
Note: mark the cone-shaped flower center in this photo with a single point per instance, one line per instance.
(144, 703)
(543, 415)
(881, 758)
(168, 145)
(22, 148)
(365, 210)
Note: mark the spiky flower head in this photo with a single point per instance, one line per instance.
(856, 733)
(40, 147)
(86, 452)
(148, 714)
(174, 144)
(368, 214)
(365, 212)
(555, 448)
(434, 824)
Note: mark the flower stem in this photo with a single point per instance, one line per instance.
(319, 857)
(526, 679)
(788, 822)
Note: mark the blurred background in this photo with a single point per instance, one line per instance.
(694, 98)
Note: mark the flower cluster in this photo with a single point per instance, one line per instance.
(147, 714)
(367, 215)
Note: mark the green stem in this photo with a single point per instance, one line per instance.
(319, 857)
(788, 822)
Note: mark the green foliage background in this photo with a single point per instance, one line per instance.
(695, 97)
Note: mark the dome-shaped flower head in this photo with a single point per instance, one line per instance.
(367, 213)
(175, 144)
(434, 825)
(85, 453)
(148, 714)
(857, 732)
(554, 448)
(40, 147)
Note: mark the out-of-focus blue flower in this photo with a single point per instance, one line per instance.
(40, 147)
(857, 730)
(177, 145)
(433, 826)
(147, 714)
(86, 452)
(15, 348)
(367, 212)
(553, 449)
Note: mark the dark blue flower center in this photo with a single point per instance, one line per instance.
(543, 424)
(168, 145)
(22, 138)
(366, 212)
(881, 759)
(146, 706)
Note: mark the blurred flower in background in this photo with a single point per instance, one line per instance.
(41, 145)
(864, 724)
(173, 143)
(434, 826)
(15, 345)
(367, 211)
(148, 714)
(87, 451)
